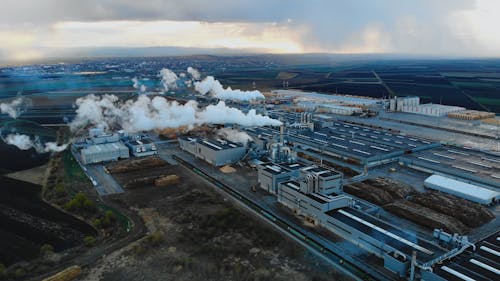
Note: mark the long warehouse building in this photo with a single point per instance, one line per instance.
(461, 189)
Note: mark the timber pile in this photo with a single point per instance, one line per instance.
(397, 190)
(166, 180)
(135, 164)
(430, 209)
(140, 182)
(369, 193)
(426, 217)
(469, 213)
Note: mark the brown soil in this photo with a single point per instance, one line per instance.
(196, 234)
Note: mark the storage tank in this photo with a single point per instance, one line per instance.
(392, 105)
(399, 104)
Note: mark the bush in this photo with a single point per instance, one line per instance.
(60, 190)
(109, 218)
(3, 270)
(89, 241)
(155, 238)
(19, 273)
(80, 203)
(46, 249)
(97, 223)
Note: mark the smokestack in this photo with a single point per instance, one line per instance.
(282, 130)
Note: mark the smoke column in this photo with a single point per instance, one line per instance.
(213, 86)
(234, 135)
(195, 74)
(138, 85)
(15, 107)
(24, 142)
(168, 79)
(149, 113)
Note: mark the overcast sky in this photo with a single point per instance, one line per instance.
(31, 29)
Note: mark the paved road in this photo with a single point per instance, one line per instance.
(106, 184)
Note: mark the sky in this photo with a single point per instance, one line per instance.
(37, 29)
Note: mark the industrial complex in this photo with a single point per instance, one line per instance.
(300, 171)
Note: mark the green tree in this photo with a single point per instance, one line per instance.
(109, 219)
(46, 249)
(3, 270)
(80, 203)
(19, 273)
(89, 241)
(97, 223)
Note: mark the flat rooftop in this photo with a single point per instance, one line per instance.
(217, 144)
(141, 141)
(295, 185)
(482, 264)
(97, 148)
(384, 232)
(460, 162)
(341, 99)
(281, 168)
(322, 172)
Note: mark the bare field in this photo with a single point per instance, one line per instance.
(195, 234)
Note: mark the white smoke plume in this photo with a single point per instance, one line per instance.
(213, 86)
(138, 85)
(195, 74)
(149, 113)
(24, 142)
(234, 135)
(53, 146)
(15, 107)
(168, 79)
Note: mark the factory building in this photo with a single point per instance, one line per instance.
(463, 190)
(432, 109)
(104, 152)
(216, 152)
(309, 204)
(97, 136)
(339, 109)
(329, 98)
(474, 263)
(310, 179)
(384, 240)
(141, 146)
(270, 175)
(320, 180)
(412, 105)
(329, 108)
